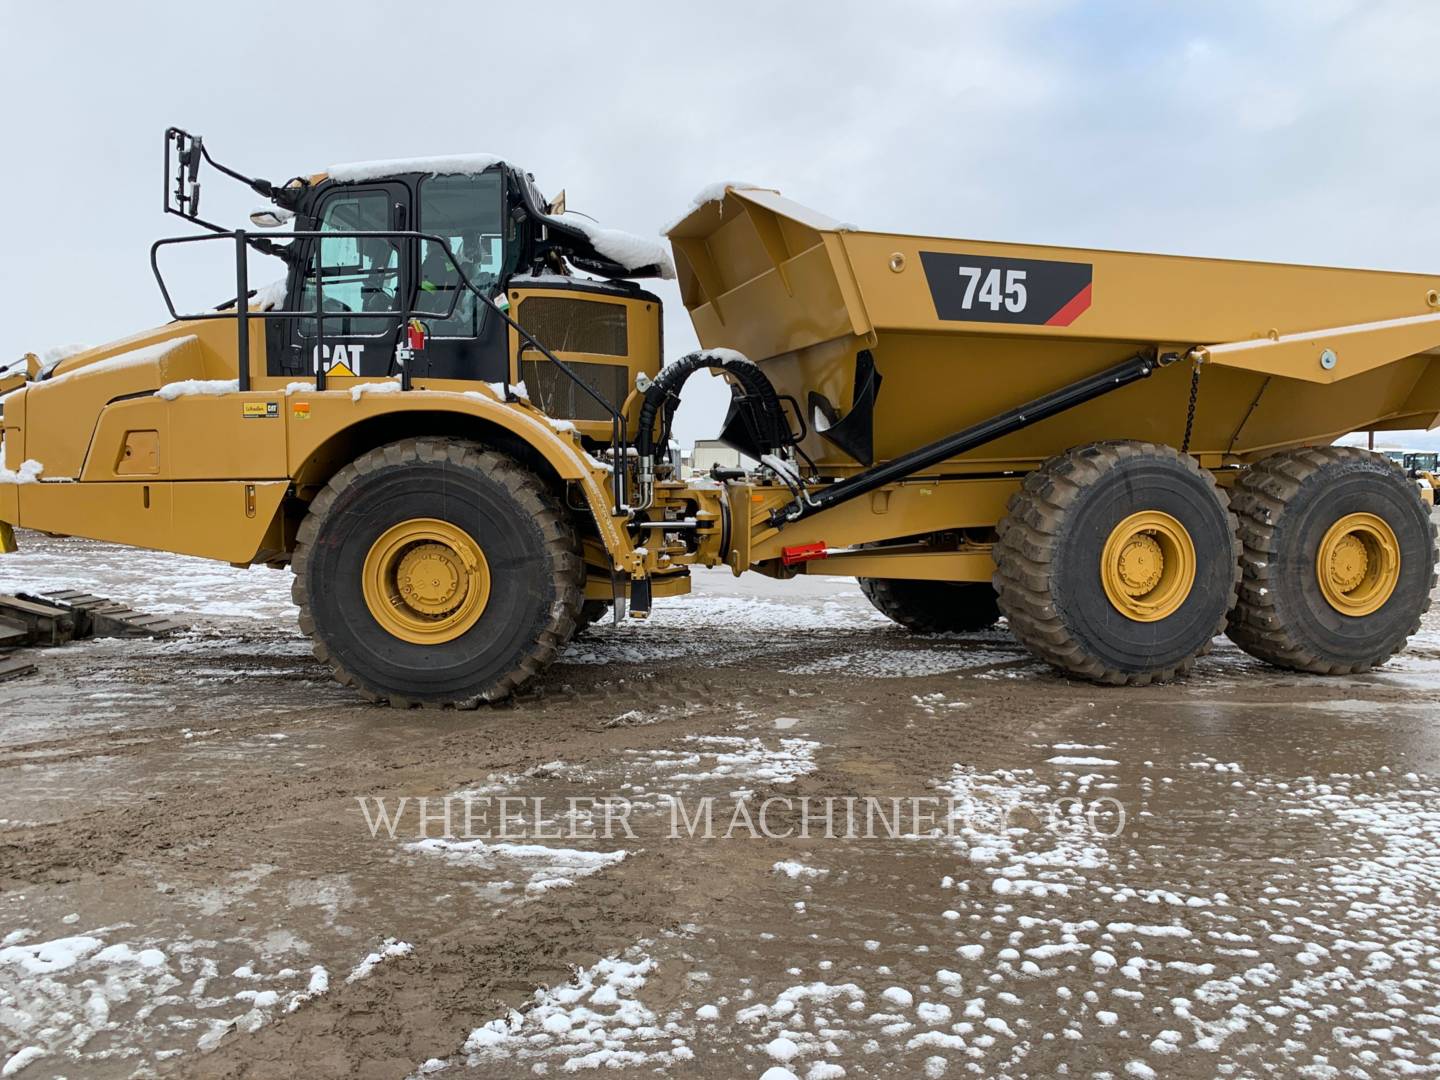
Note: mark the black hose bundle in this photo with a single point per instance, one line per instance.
(755, 404)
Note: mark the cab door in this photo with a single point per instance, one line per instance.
(363, 287)
(467, 341)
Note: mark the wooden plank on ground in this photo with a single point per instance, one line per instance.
(48, 624)
(12, 667)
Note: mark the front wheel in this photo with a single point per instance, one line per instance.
(1117, 562)
(436, 572)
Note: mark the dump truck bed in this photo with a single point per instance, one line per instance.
(962, 329)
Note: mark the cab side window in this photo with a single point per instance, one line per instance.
(359, 274)
(469, 213)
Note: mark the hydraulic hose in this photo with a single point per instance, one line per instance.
(662, 396)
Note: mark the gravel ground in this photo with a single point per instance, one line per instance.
(1234, 876)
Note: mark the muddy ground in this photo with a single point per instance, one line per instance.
(1236, 876)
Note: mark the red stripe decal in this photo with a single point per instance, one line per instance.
(1077, 306)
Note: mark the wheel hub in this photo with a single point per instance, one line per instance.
(426, 581)
(429, 578)
(1141, 564)
(1358, 564)
(1348, 563)
(1148, 566)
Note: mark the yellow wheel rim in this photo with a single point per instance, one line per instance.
(1148, 566)
(426, 581)
(1358, 564)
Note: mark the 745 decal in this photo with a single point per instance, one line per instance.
(982, 288)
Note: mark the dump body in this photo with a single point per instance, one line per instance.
(960, 330)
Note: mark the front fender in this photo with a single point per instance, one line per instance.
(316, 420)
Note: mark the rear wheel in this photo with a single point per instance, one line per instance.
(934, 607)
(1339, 560)
(1117, 562)
(591, 612)
(436, 572)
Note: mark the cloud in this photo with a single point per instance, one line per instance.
(1254, 130)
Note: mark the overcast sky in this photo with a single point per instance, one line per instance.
(1300, 131)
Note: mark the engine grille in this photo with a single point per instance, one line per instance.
(551, 389)
(564, 324)
(568, 325)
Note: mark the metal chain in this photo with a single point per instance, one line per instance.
(1190, 412)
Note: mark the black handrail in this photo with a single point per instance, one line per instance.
(243, 315)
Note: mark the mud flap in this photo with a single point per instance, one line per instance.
(7, 539)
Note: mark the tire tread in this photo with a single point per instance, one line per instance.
(1029, 535)
(562, 550)
(1262, 496)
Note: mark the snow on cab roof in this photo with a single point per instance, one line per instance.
(445, 164)
(625, 249)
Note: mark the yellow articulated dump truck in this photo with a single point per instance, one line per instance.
(452, 420)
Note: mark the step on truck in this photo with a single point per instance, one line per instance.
(451, 419)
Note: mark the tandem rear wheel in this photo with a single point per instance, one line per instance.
(934, 607)
(436, 572)
(1117, 562)
(1339, 560)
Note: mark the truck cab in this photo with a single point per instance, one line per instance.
(508, 240)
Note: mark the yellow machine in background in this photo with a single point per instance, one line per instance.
(460, 444)
(1424, 467)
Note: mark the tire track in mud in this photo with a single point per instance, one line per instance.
(564, 721)
(879, 738)
(425, 1004)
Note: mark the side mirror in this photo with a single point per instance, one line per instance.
(183, 155)
(267, 218)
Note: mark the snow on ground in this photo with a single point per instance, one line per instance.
(684, 627)
(389, 950)
(150, 581)
(540, 867)
(881, 663)
(99, 996)
(595, 1021)
(1269, 905)
(1038, 937)
(727, 763)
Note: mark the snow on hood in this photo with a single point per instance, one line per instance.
(446, 165)
(56, 353)
(198, 388)
(628, 250)
(28, 473)
(145, 354)
(50, 358)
